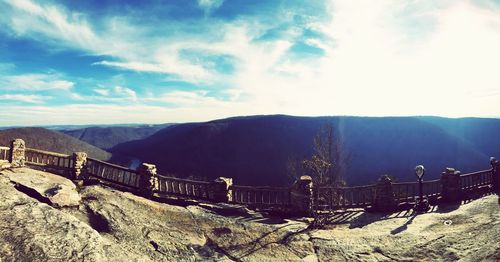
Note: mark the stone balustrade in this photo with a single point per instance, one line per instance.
(16, 153)
(301, 198)
(384, 195)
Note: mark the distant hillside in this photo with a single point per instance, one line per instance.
(107, 137)
(255, 150)
(483, 133)
(41, 138)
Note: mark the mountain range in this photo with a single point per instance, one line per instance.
(256, 150)
(50, 140)
(106, 137)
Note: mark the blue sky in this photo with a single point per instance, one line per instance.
(84, 62)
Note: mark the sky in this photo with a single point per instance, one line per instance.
(150, 61)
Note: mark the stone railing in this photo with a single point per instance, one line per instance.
(344, 197)
(409, 192)
(111, 173)
(4, 153)
(476, 179)
(47, 159)
(260, 196)
(302, 197)
(170, 186)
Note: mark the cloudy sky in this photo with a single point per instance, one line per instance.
(96, 61)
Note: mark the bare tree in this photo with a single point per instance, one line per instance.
(327, 166)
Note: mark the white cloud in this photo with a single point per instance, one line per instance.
(52, 21)
(77, 96)
(120, 39)
(102, 91)
(373, 67)
(125, 92)
(381, 58)
(209, 5)
(116, 93)
(36, 99)
(185, 99)
(98, 114)
(34, 82)
(166, 65)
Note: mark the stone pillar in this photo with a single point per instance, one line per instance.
(450, 181)
(301, 196)
(148, 179)
(495, 165)
(78, 166)
(384, 195)
(16, 153)
(220, 190)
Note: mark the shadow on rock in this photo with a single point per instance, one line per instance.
(259, 243)
(447, 207)
(367, 218)
(32, 193)
(97, 221)
(243, 213)
(404, 226)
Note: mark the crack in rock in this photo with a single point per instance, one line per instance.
(156, 247)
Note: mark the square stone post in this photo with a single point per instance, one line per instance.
(220, 190)
(79, 160)
(495, 166)
(450, 181)
(148, 179)
(301, 196)
(384, 195)
(17, 153)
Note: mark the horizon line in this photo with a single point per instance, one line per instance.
(241, 116)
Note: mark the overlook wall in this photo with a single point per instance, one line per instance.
(302, 197)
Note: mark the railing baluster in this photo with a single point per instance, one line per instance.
(129, 178)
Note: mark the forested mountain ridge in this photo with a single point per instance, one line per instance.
(50, 140)
(255, 150)
(109, 136)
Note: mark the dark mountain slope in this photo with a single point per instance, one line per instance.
(255, 150)
(108, 137)
(483, 133)
(44, 139)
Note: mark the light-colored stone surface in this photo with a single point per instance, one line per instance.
(4, 164)
(60, 191)
(33, 231)
(114, 226)
(469, 232)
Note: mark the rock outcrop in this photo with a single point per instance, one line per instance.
(95, 223)
(53, 189)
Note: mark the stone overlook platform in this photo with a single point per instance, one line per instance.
(45, 217)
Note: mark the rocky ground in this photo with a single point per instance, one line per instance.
(44, 217)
